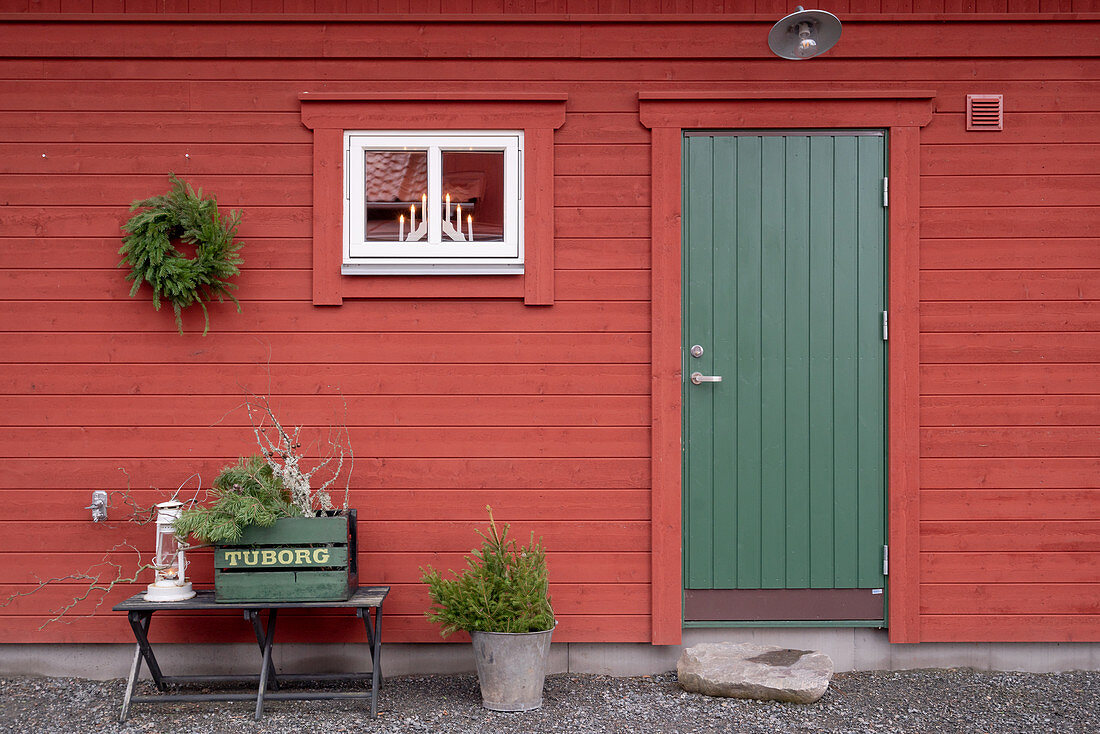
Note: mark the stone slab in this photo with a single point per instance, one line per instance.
(764, 672)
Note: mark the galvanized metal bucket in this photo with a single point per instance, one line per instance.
(511, 667)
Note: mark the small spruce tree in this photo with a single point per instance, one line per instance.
(504, 588)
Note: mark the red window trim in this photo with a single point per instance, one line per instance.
(903, 113)
(329, 114)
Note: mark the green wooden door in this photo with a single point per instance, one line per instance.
(784, 291)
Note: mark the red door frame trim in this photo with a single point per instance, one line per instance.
(329, 114)
(903, 113)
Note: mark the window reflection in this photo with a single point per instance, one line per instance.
(473, 196)
(396, 189)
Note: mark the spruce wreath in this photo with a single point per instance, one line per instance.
(150, 251)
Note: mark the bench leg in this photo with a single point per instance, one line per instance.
(376, 663)
(139, 623)
(253, 615)
(131, 682)
(269, 642)
(374, 643)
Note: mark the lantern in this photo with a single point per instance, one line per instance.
(169, 564)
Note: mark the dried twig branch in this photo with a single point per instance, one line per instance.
(139, 514)
(142, 515)
(282, 453)
(346, 444)
(101, 582)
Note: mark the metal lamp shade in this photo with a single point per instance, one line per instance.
(784, 39)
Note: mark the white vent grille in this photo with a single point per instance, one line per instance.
(985, 112)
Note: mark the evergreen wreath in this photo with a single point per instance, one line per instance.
(185, 216)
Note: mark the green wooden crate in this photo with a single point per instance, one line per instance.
(296, 559)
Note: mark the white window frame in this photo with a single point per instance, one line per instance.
(433, 256)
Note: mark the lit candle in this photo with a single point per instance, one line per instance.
(401, 230)
(412, 219)
(470, 226)
(423, 206)
(448, 207)
(458, 222)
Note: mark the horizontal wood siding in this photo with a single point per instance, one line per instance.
(543, 7)
(542, 412)
(1010, 374)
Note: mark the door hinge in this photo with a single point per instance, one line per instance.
(885, 325)
(886, 191)
(885, 560)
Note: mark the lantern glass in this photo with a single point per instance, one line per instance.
(167, 561)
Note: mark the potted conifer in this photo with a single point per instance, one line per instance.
(502, 599)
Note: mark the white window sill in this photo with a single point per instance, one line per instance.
(431, 269)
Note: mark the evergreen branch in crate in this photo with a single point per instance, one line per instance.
(247, 493)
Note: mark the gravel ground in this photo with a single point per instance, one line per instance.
(934, 701)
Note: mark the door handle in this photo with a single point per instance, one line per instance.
(698, 378)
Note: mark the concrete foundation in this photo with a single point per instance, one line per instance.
(850, 649)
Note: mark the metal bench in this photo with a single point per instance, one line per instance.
(140, 614)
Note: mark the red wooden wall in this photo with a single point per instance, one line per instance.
(1009, 375)
(541, 411)
(545, 7)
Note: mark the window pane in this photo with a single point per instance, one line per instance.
(396, 186)
(475, 182)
